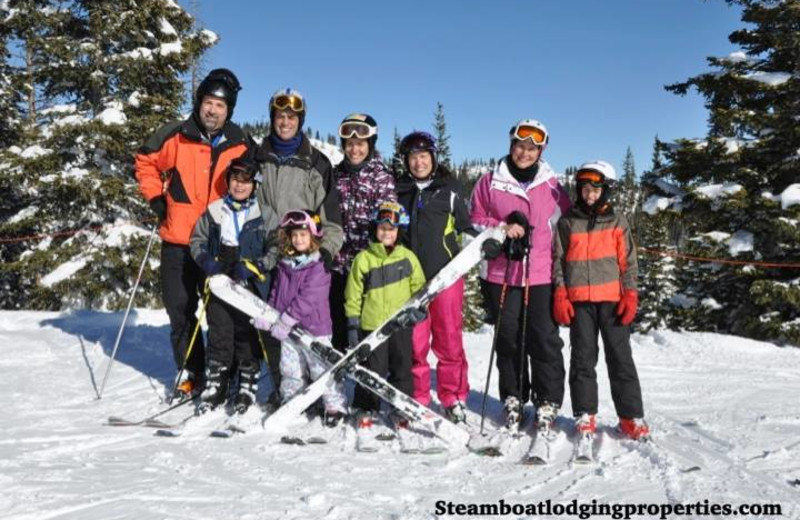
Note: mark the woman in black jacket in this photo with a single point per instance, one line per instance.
(435, 202)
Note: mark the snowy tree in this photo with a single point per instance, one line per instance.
(397, 165)
(442, 137)
(102, 76)
(657, 237)
(627, 196)
(739, 181)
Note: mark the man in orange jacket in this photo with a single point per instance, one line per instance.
(180, 170)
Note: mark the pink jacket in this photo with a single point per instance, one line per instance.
(497, 194)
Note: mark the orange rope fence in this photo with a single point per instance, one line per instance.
(717, 260)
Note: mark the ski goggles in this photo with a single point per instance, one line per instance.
(537, 135)
(301, 219)
(289, 101)
(356, 129)
(592, 177)
(388, 215)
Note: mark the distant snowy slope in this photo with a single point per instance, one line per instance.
(723, 404)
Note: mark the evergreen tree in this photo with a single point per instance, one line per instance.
(398, 166)
(733, 177)
(656, 238)
(628, 191)
(101, 76)
(442, 138)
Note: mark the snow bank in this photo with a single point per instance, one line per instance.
(723, 412)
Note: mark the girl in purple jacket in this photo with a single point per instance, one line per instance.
(524, 192)
(300, 294)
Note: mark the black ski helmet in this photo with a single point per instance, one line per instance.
(221, 83)
(243, 166)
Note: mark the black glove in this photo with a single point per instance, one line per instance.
(159, 207)
(208, 264)
(353, 336)
(517, 248)
(491, 249)
(241, 272)
(411, 316)
(327, 258)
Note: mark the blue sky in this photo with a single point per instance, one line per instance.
(592, 71)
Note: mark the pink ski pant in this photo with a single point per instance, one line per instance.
(441, 331)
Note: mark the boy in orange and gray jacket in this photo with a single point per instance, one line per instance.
(594, 272)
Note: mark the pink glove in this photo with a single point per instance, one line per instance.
(281, 329)
(563, 311)
(626, 308)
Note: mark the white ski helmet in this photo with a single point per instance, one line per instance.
(607, 172)
(530, 129)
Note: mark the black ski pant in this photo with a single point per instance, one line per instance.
(232, 339)
(391, 360)
(338, 317)
(545, 381)
(181, 286)
(591, 319)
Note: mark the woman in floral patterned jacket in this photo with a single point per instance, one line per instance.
(363, 180)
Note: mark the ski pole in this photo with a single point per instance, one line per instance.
(500, 307)
(128, 310)
(206, 296)
(523, 368)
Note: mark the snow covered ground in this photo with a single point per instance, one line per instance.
(724, 412)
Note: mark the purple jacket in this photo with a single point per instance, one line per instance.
(301, 290)
(497, 194)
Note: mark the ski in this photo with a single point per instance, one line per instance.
(303, 441)
(485, 244)
(540, 449)
(145, 421)
(583, 449)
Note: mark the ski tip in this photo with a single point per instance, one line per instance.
(167, 433)
(118, 421)
(534, 461)
(489, 451)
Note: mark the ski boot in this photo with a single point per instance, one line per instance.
(635, 428)
(333, 418)
(546, 414)
(365, 437)
(511, 410)
(586, 426)
(216, 390)
(248, 386)
(457, 413)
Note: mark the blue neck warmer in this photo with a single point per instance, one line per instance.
(285, 148)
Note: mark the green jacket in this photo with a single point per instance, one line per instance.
(380, 283)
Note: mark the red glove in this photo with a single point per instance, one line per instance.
(563, 311)
(626, 308)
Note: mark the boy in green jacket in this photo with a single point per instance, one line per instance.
(382, 278)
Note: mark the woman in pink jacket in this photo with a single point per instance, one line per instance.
(523, 191)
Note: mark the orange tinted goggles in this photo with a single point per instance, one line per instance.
(535, 134)
(592, 177)
(293, 102)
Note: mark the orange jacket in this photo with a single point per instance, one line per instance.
(180, 154)
(596, 263)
